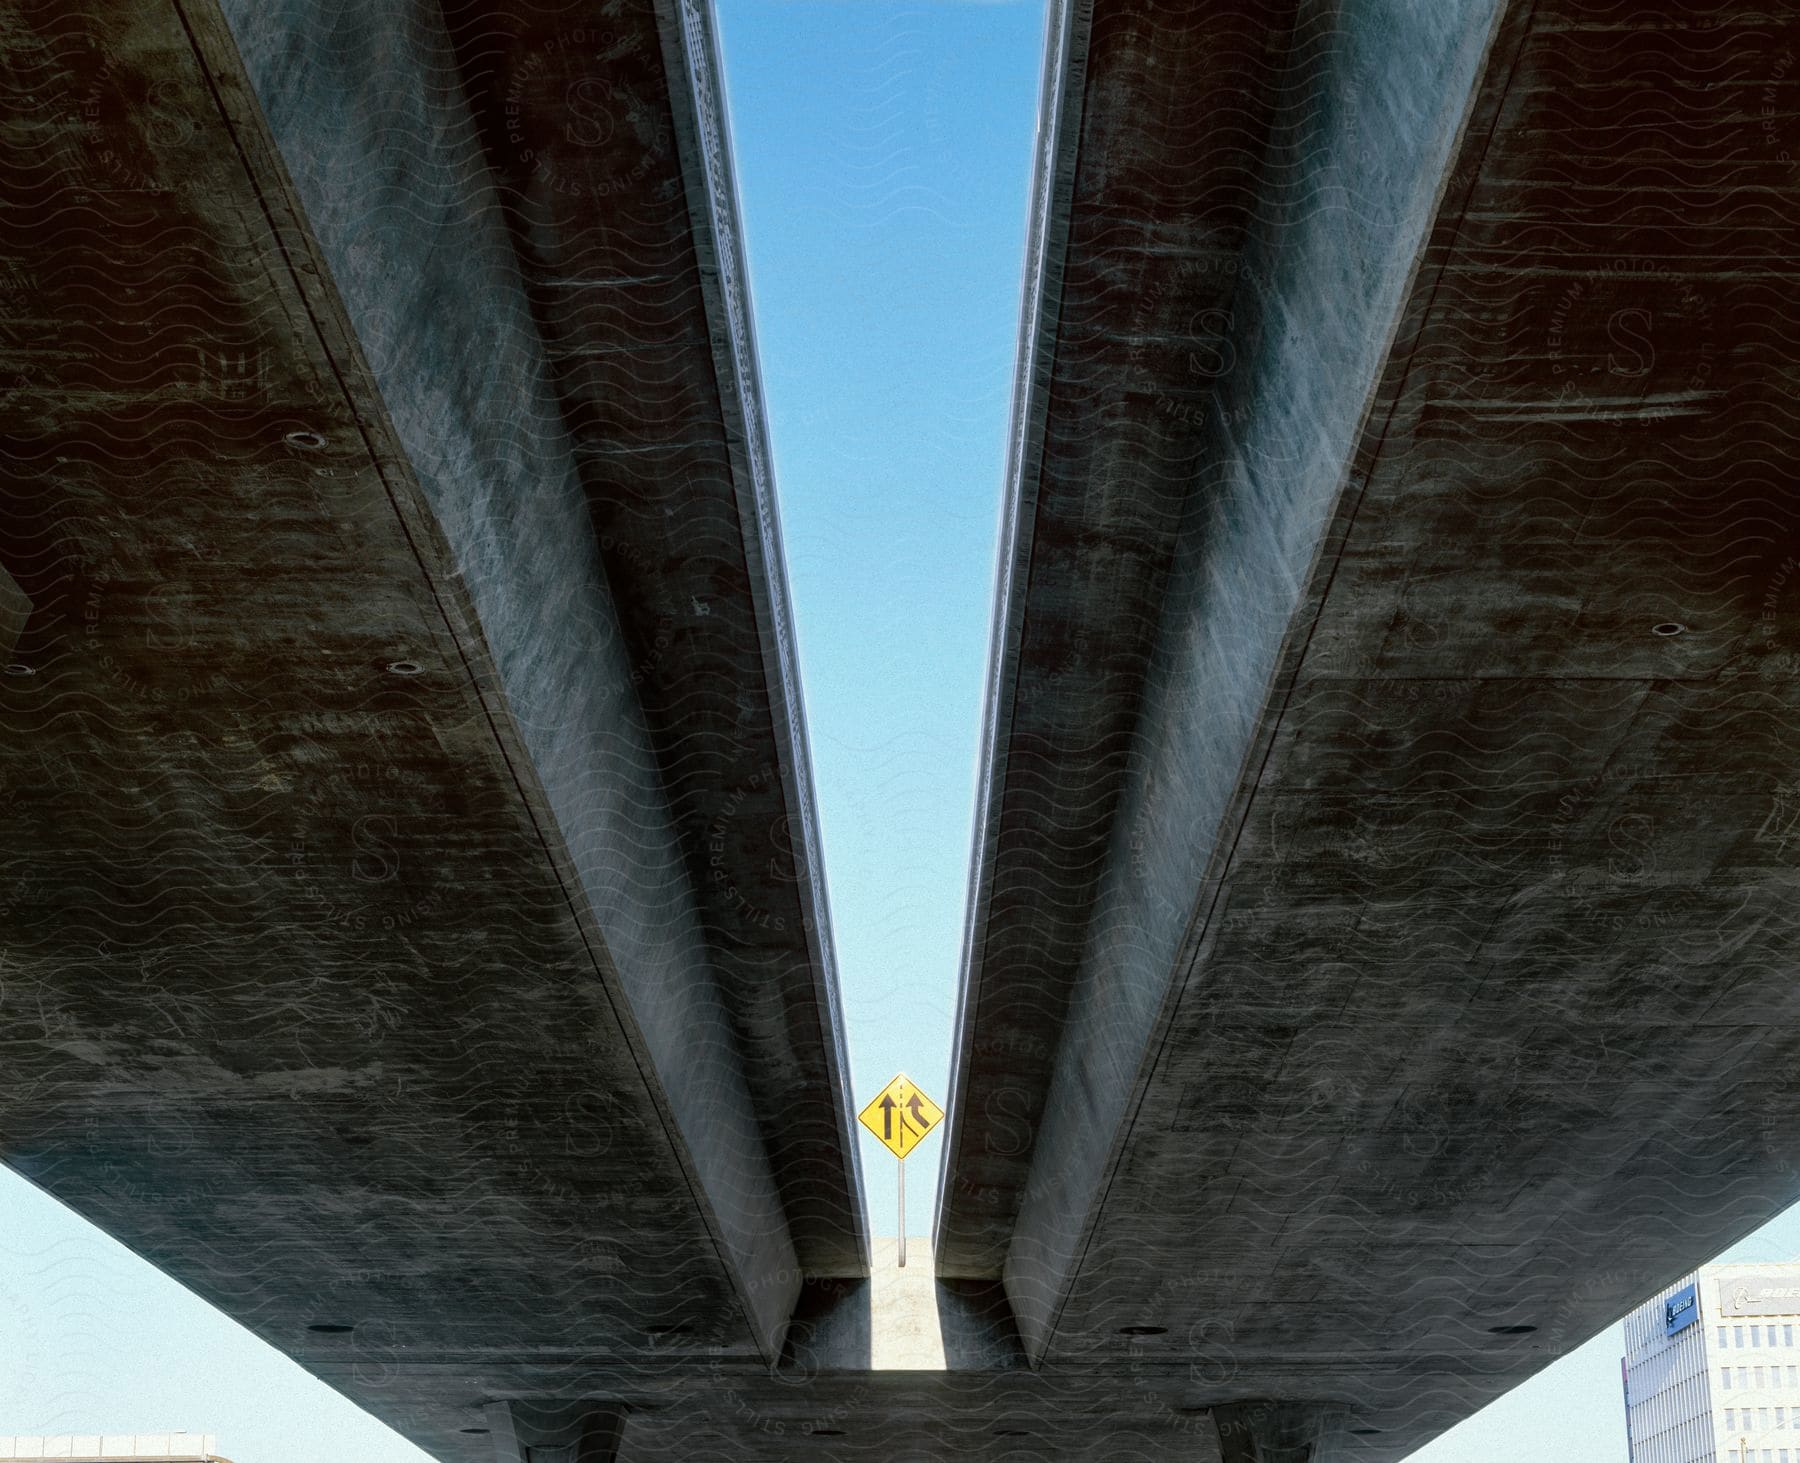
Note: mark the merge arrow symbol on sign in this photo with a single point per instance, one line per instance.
(901, 1116)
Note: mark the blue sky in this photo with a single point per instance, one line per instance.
(883, 156)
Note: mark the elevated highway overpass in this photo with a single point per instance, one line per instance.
(1381, 928)
(1380, 932)
(416, 939)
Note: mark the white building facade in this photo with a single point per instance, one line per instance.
(111, 1448)
(1712, 1368)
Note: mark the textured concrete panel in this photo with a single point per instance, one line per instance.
(1126, 285)
(366, 106)
(570, 488)
(1264, 1432)
(1373, 100)
(312, 1021)
(365, 962)
(548, 1431)
(1382, 917)
(1413, 1004)
(729, 1411)
(15, 609)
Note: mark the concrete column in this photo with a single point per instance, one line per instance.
(555, 1432)
(1268, 1432)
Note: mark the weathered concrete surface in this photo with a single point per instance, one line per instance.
(552, 1432)
(1374, 975)
(15, 610)
(813, 1409)
(1143, 326)
(1327, 252)
(1264, 1432)
(545, 175)
(411, 933)
(1379, 941)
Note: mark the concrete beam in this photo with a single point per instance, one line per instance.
(988, 1136)
(734, 1412)
(1271, 1001)
(1360, 629)
(15, 609)
(1372, 109)
(370, 120)
(540, 964)
(739, 803)
(623, 218)
(1062, 989)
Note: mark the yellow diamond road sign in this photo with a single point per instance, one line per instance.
(901, 1115)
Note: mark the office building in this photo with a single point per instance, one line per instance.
(1711, 1369)
(180, 1447)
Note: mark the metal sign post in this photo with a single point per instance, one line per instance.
(901, 1116)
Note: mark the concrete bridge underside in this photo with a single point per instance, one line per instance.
(1379, 968)
(414, 938)
(1381, 921)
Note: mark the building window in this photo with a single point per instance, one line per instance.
(1731, 1419)
(1780, 1417)
(1787, 1335)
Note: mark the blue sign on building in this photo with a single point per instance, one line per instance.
(1681, 1310)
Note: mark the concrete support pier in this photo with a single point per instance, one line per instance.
(555, 1432)
(1269, 1432)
